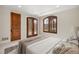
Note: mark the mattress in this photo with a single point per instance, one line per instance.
(42, 46)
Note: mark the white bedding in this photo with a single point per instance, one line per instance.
(43, 46)
(66, 47)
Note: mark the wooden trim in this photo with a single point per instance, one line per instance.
(27, 27)
(49, 17)
(32, 35)
(32, 27)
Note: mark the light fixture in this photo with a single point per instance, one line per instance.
(19, 6)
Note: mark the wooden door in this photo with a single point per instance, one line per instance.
(15, 26)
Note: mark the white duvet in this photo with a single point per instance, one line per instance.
(43, 46)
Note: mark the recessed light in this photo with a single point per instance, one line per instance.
(19, 6)
(58, 6)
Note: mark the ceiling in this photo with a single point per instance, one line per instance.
(39, 9)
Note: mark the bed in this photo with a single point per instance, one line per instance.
(49, 46)
(52, 45)
(38, 46)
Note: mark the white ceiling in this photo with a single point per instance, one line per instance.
(40, 9)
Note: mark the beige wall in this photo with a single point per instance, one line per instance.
(3, 19)
(5, 23)
(0, 23)
(66, 21)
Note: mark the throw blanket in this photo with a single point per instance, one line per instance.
(23, 45)
(38, 46)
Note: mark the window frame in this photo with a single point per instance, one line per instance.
(49, 25)
(32, 27)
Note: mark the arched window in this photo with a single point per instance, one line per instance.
(32, 27)
(50, 24)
